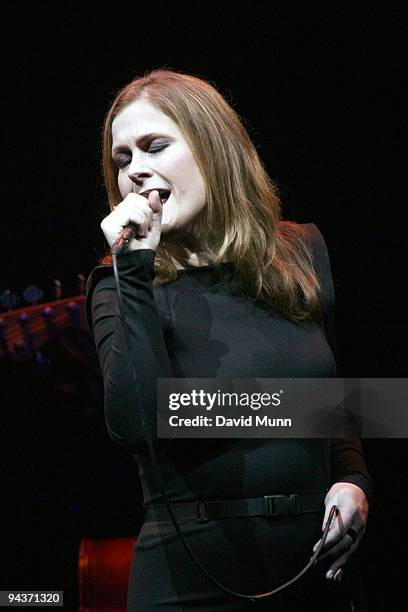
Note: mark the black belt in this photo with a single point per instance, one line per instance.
(269, 505)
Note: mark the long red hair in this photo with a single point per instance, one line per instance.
(241, 221)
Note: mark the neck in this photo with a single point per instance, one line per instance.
(185, 251)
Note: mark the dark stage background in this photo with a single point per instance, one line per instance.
(320, 88)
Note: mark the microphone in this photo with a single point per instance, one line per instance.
(119, 247)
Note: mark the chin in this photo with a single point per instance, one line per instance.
(169, 223)
(166, 228)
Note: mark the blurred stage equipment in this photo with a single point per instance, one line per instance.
(103, 574)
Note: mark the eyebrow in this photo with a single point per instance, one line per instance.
(141, 141)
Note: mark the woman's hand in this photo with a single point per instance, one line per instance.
(146, 214)
(353, 512)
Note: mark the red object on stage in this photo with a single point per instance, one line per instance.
(104, 567)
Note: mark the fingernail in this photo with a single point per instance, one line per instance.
(329, 574)
(338, 575)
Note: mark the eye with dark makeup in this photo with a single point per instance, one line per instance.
(155, 150)
(123, 159)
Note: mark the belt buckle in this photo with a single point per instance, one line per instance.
(280, 505)
(202, 511)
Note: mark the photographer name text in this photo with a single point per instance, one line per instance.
(222, 421)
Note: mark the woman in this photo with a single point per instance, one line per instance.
(215, 284)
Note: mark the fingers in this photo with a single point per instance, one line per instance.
(155, 201)
(334, 533)
(339, 555)
(346, 523)
(133, 209)
(336, 569)
(338, 539)
(346, 530)
(337, 550)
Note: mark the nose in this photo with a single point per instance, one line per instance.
(138, 172)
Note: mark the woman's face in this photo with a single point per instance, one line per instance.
(151, 153)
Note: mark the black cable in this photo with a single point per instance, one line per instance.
(252, 598)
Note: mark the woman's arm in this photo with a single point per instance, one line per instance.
(352, 489)
(348, 465)
(123, 396)
(346, 455)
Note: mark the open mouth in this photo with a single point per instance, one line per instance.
(164, 194)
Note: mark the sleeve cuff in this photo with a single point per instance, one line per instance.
(129, 260)
(141, 258)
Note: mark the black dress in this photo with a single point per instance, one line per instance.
(202, 325)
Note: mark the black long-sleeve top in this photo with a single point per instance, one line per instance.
(202, 325)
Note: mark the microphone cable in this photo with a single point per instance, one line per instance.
(334, 509)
